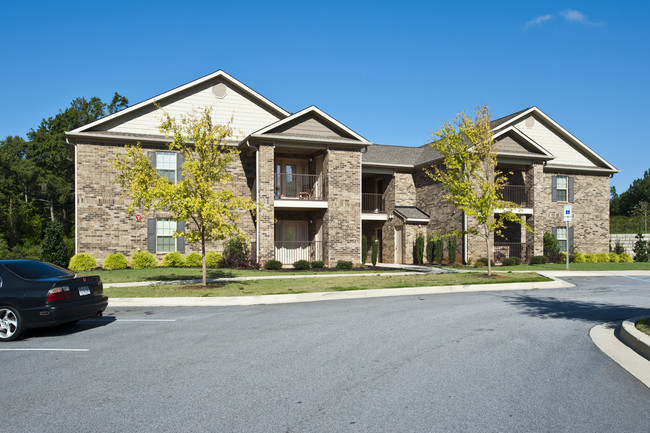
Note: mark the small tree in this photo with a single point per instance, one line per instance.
(618, 248)
(419, 249)
(640, 249)
(430, 248)
(642, 210)
(204, 195)
(53, 247)
(375, 250)
(551, 248)
(439, 250)
(468, 174)
(451, 249)
(364, 249)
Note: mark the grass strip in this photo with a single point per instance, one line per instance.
(313, 285)
(643, 326)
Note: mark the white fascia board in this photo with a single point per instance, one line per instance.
(94, 135)
(316, 141)
(180, 89)
(374, 216)
(300, 204)
(417, 220)
(385, 164)
(312, 109)
(576, 169)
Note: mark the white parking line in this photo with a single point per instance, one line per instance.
(145, 320)
(43, 350)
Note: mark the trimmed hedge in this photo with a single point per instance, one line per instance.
(82, 262)
(511, 261)
(115, 261)
(273, 265)
(317, 264)
(613, 257)
(483, 261)
(173, 260)
(193, 260)
(301, 265)
(143, 259)
(625, 258)
(539, 260)
(212, 259)
(343, 264)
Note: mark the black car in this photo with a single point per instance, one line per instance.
(35, 294)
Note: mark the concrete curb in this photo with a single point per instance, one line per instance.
(604, 337)
(634, 338)
(329, 296)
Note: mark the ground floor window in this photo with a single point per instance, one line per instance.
(562, 237)
(165, 228)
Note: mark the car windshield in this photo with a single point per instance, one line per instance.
(32, 270)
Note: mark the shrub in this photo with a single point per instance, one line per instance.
(301, 265)
(602, 257)
(439, 251)
(344, 264)
(273, 265)
(212, 259)
(173, 260)
(511, 261)
(4, 249)
(143, 259)
(82, 262)
(235, 253)
(640, 249)
(54, 248)
(591, 258)
(194, 260)
(483, 261)
(451, 249)
(375, 252)
(618, 248)
(25, 251)
(539, 260)
(551, 248)
(364, 249)
(114, 261)
(317, 264)
(419, 249)
(577, 257)
(613, 257)
(430, 248)
(625, 258)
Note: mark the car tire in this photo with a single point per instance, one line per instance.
(11, 324)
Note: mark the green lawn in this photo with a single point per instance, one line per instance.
(635, 266)
(311, 285)
(170, 274)
(643, 326)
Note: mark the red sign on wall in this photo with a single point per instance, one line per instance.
(138, 217)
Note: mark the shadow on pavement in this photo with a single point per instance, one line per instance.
(69, 329)
(554, 308)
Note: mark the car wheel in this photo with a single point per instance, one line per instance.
(11, 324)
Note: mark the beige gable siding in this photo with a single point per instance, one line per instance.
(564, 153)
(309, 127)
(247, 115)
(509, 145)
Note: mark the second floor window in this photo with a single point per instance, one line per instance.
(562, 188)
(166, 165)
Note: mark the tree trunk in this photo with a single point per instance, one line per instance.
(205, 279)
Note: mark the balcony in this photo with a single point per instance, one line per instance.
(299, 186)
(289, 252)
(515, 194)
(372, 203)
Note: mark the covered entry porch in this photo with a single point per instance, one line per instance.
(299, 236)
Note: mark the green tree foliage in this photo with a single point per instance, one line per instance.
(53, 248)
(551, 248)
(624, 203)
(439, 250)
(642, 210)
(204, 195)
(419, 249)
(430, 248)
(451, 249)
(640, 249)
(469, 173)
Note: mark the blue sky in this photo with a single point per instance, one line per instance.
(392, 71)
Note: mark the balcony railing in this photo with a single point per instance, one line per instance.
(503, 250)
(515, 194)
(289, 252)
(299, 186)
(373, 203)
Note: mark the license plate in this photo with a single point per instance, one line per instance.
(84, 290)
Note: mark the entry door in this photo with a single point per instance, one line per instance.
(398, 244)
(291, 241)
(290, 177)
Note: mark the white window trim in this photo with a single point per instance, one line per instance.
(565, 189)
(174, 168)
(175, 247)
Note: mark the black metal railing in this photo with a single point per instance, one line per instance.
(373, 203)
(288, 252)
(299, 186)
(515, 194)
(503, 250)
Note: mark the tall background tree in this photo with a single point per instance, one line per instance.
(469, 174)
(204, 196)
(37, 182)
(629, 210)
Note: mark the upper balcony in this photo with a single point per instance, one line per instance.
(516, 194)
(299, 191)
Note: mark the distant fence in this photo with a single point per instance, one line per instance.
(627, 241)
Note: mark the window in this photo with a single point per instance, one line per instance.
(165, 228)
(561, 236)
(562, 188)
(166, 165)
